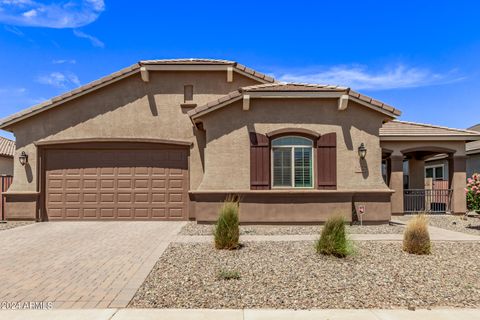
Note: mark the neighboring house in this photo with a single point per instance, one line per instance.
(171, 139)
(7, 151)
(437, 166)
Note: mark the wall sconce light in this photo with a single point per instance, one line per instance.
(362, 151)
(23, 158)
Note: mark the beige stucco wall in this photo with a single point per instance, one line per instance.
(6, 166)
(227, 155)
(400, 146)
(129, 108)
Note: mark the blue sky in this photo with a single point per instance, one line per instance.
(423, 57)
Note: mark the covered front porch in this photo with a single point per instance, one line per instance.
(407, 151)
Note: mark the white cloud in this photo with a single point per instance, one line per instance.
(360, 77)
(13, 92)
(64, 61)
(94, 41)
(54, 14)
(30, 14)
(60, 80)
(14, 30)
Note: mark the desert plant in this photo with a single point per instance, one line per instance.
(416, 238)
(333, 240)
(228, 275)
(473, 192)
(227, 231)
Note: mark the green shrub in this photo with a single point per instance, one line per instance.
(416, 239)
(228, 275)
(227, 231)
(333, 240)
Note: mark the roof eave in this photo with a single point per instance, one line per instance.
(466, 138)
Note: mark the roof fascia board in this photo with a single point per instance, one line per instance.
(62, 101)
(289, 94)
(428, 138)
(246, 74)
(376, 108)
(186, 67)
(221, 105)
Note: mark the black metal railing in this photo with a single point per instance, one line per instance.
(427, 201)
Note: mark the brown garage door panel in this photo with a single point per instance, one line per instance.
(116, 184)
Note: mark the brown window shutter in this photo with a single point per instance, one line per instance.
(259, 161)
(327, 161)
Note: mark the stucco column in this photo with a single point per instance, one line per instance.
(458, 183)
(416, 172)
(396, 184)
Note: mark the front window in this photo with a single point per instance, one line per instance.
(435, 172)
(292, 159)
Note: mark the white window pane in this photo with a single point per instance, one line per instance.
(282, 167)
(429, 173)
(303, 167)
(292, 141)
(439, 173)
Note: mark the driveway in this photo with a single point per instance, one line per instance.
(80, 264)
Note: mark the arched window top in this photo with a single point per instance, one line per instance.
(292, 141)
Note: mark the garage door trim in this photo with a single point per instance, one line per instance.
(128, 144)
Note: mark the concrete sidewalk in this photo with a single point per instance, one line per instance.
(169, 314)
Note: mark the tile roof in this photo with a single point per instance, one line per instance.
(7, 147)
(473, 147)
(293, 87)
(187, 61)
(475, 127)
(120, 75)
(398, 128)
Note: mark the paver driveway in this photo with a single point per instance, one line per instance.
(80, 264)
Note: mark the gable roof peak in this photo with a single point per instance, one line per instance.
(187, 61)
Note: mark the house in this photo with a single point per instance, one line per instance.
(437, 166)
(171, 139)
(7, 151)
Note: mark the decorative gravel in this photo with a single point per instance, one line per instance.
(292, 275)
(194, 229)
(454, 223)
(14, 224)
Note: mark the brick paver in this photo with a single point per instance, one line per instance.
(80, 264)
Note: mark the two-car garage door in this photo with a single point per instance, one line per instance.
(92, 184)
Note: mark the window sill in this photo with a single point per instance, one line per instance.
(188, 105)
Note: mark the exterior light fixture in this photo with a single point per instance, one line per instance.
(23, 158)
(362, 151)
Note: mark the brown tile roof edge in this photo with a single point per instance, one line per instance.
(7, 147)
(295, 87)
(473, 147)
(119, 74)
(408, 132)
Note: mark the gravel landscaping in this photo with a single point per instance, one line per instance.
(14, 224)
(292, 275)
(194, 229)
(454, 223)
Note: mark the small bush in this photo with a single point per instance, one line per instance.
(227, 231)
(473, 192)
(228, 275)
(333, 240)
(416, 239)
